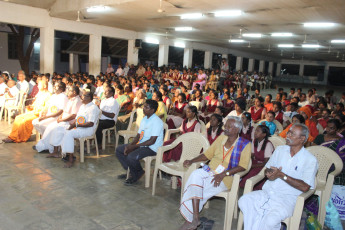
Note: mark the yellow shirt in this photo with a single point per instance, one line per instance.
(162, 110)
(215, 155)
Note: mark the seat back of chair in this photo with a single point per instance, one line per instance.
(97, 122)
(276, 141)
(197, 104)
(22, 98)
(278, 126)
(203, 129)
(326, 158)
(192, 144)
(131, 120)
(140, 116)
(319, 128)
(165, 126)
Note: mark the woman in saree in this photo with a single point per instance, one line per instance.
(22, 125)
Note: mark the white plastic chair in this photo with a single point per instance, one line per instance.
(192, 144)
(203, 130)
(276, 141)
(19, 107)
(320, 128)
(197, 104)
(104, 136)
(133, 127)
(87, 139)
(326, 158)
(231, 197)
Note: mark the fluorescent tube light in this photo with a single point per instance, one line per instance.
(286, 45)
(96, 9)
(179, 44)
(191, 16)
(183, 28)
(228, 13)
(236, 40)
(338, 41)
(310, 45)
(152, 40)
(319, 24)
(252, 35)
(281, 34)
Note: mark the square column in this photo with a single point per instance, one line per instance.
(251, 64)
(132, 53)
(188, 57)
(261, 66)
(325, 75)
(270, 67)
(208, 60)
(279, 68)
(301, 70)
(47, 50)
(95, 54)
(73, 63)
(163, 55)
(239, 62)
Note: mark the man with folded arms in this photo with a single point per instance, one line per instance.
(290, 171)
(85, 125)
(146, 143)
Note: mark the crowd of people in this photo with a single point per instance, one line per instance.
(227, 107)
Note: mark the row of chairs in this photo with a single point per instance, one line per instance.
(17, 107)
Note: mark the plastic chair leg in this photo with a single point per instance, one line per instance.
(88, 146)
(97, 152)
(147, 172)
(104, 135)
(117, 140)
(82, 151)
(174, 182)
(109, 141)
(154, 181)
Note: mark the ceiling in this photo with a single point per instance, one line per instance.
(260, 16)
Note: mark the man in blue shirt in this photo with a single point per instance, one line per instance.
(146, 143)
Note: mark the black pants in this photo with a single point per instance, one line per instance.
(103, 124)
(131, 160)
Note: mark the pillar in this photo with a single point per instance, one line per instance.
(95, 54)
(251, 64)
(132, 53)
(325, 75)
(261, 65)
(270, 67)
(163, 55)
(279, 68)
(208, 60)
(239, 62)
(187, 57)
(47, 50)
(301, 70)
(73, 63)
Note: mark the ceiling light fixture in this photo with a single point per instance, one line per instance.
(281, 34)
(191, 16)
(236, 40)
(228, 13)
(310, 45)
(94, 9)
(183, 28)
(338, 41)
(252, 35)
(286, 45)
(319, 24)
(152, 40)
(180, 44)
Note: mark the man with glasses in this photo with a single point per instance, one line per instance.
(290, 171)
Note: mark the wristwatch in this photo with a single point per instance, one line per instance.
(227, 173)
(285, 177)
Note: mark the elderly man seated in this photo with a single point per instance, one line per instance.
(228, 155)
(290, 171)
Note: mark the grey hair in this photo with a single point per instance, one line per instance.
(238, 122)
(305, 131)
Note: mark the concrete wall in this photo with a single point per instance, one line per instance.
(10, 65)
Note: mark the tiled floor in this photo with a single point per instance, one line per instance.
(38, 193)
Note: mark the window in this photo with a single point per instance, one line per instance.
(12, 46)
(290, 69)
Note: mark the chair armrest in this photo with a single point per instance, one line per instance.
(171, 131)
(251, 182)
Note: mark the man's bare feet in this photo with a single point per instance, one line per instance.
(190, 225)
(7, 140)
(53, 155)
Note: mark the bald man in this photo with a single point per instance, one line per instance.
(11, 94)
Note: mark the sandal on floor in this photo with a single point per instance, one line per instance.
(208, 225)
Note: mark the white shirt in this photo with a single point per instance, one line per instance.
(88, 113)
(110, 105)
(99, 90)
(3, 86)
(57, 102)
(31, 86)
(302, 166)
(23, 86)
(125, 70)
(110, 70)
(72, 107)
(119, 72)
(304, 103)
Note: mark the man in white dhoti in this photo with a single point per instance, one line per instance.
(228, 155)
(54, 133)
(290, 171)
(55, 108)
(85, 125)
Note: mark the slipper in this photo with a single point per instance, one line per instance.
(208, 225)
(202, 221)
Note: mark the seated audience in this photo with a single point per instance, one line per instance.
(269, 122)
(228, 155)
(161, 111)
(258, 112)
(290, 171)
(215, 129)
(247, 130)
(178, 112)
